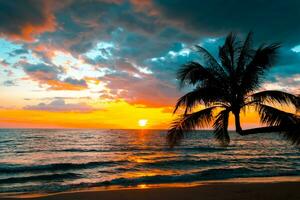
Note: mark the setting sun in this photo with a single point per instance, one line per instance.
(142, 122)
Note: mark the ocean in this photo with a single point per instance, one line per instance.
(42, 160)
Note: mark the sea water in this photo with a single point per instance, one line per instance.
(43, 160)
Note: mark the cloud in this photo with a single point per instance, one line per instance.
(289, 84)
(75, 82)
(24, 20)
(3, 63)
(135, 47)
(147, 91)
(19, 52)
(59, 97)
(59, 105)
(83, 23)
(9, 83)
(41, 72)
(66, 85)
(218, 17)
(49, 75)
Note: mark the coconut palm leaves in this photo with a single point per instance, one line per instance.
(228, 85)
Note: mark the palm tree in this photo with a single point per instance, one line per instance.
(230, 85)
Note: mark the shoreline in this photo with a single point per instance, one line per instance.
(279, 187)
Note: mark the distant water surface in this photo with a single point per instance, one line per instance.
(36, 160)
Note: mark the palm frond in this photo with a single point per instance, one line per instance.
(275, 96)
(298, 104)
(221, 127)
(227, 53)
(265, 56)
(288, 123)
(189, 122)
(200, 95)
(192, 73)
(274, 117)
(245, 53)
(226, 62)
(263, 59)
(293, 133)
(211, 62)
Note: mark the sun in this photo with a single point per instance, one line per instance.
(143, 122)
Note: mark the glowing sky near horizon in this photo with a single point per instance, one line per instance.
(108, 64)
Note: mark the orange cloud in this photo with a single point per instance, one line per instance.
(47, 50)
(61, 85)
(144, 6)
(30, 31)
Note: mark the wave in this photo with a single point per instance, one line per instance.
(79, 150)
(56, 167)
(195, 162)
(6, 141)
(182, 163)
(203, 149)
(149, 149)
(204, 175)
(39, 178)
(209, 174)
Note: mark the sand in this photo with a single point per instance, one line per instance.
(286, 188)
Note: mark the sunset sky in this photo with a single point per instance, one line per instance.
(111, 63)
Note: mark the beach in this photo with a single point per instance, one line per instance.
(286, 188)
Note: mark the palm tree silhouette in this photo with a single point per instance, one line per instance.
(229, 86)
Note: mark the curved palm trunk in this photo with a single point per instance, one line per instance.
(238, 127)
(262, 130)
(269, 129)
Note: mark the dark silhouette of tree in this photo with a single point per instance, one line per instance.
(229, 85)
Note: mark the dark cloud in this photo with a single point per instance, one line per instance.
(41, 72)
(19, 52)
(138, 34)
(288, 64)
(22, 20)
(76, 82)
(270, 20)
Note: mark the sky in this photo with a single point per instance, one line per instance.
(111, 63)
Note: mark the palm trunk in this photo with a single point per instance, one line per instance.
(269, 129)
(238, 127)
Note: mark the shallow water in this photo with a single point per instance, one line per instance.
(36, 160)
